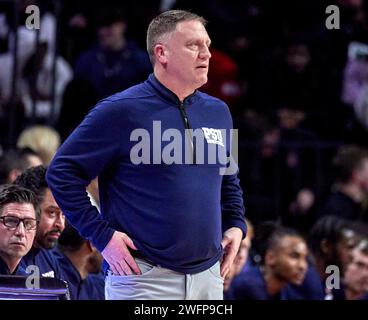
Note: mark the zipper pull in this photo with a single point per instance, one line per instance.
(187, 126)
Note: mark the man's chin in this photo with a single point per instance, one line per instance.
(19, 254)
(202, 81)
(298, 281)
(50, 243)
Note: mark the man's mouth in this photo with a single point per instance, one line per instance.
(18, 244)
(54, 235)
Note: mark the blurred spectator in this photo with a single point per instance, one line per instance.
(19, 213)
(223, 79)
(4, 29)
(355, 89)
(283, 255)
(42, 139)
(12, 164)
(351, 184)
(81, 263)
(35, 80)
(291, 81)
(77, 28)
(31, 156)
(312, 287)
(301, 210)
(355, 72)
(166, 5)
(331, 240)
(47, 25)
(355, 283)
(51, 224)
(361, 107)
(37, 85)
(115, 63)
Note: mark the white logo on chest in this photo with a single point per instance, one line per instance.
(213, 136)
(49, 274)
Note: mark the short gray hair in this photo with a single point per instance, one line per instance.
(165, 23)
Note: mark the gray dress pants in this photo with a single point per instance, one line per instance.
(157, 283)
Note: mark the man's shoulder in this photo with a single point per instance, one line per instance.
(338, 203)
(129, 97)
(3, 267)
(136, 49)
(47, 255)
(86, 56)
(250, 285)
(250, 278)
(44, 259)
(121, 104)
(215, 106)
(212, 100)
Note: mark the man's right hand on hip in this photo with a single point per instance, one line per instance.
(117, 255)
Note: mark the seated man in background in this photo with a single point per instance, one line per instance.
(351, 185)
(51, 224)
(11, 166)
(283, 255)
(331, 241)
(355, 281)
(19, 211)
(81, 264)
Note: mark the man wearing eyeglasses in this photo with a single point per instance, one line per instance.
(18, 221)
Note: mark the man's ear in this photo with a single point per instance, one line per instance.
(13, 174)
(160, 53)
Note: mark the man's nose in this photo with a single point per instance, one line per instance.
(20, 231)
(205, 53)
(60, 222)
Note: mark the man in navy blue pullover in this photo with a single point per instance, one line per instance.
(51, 224)
(19, 212)
(169, 228)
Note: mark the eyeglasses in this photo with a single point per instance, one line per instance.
(12, 222)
